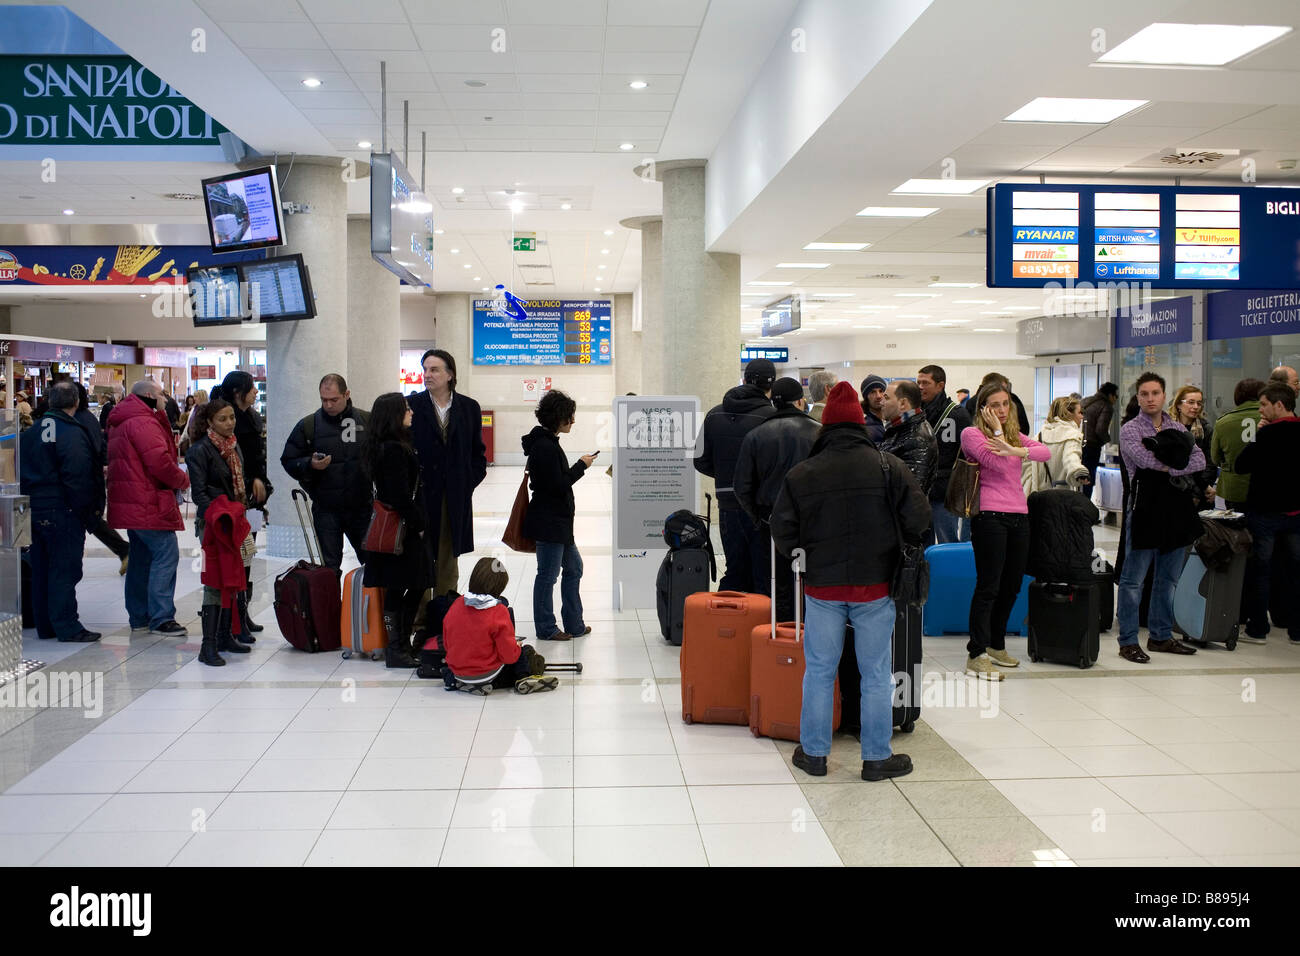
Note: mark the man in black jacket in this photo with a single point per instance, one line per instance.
(947, 419)
(836, 510)
(1098, 411)
(324, 454)
(110, 538)
(60, 468)
(873, 404)
(766, 455)
(908, 435)
(1273, 509)
(743, 409)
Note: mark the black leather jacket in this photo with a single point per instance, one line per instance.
(914, 443)
(767, 454)
(743, 408)
(210, 476)
(344, 485)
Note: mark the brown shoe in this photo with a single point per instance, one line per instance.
(1171, 646)
(1131, 652)
(558, 636)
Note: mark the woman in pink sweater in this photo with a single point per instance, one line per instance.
(1000, 532)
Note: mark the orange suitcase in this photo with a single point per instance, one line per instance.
(715, 655)
(776, 675)
(362, 624)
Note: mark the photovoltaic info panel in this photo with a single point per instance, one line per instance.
(1171, 237)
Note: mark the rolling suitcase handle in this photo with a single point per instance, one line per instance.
(797, 566)
(299, 497)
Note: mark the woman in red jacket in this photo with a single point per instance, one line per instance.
(482, 652)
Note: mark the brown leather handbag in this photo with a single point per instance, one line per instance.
(514, 538)
(963, 496)
(387, 532)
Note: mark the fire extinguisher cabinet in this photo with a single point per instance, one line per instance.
(489, 441)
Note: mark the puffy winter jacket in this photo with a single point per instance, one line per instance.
(344, 485)
(913, 443)
(767, 454)
(143, 476)
(939, 415)
(1065, 467)
(1097, 413)
(65, 472)
(743, 409)
(835, 506)
(550, 512)
(1060, 536)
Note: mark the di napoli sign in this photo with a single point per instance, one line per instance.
(95, 101)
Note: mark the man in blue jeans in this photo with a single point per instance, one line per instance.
(834, 508)
(143, 483)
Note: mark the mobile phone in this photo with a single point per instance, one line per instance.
(594, 454)
(318, 456)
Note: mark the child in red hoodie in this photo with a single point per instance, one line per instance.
(482, 651)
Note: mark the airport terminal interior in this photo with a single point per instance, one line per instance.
(631, 203)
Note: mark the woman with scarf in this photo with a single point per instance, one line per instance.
(216, 468)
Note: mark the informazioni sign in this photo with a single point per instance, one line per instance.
(1163, 322)
(95, 101)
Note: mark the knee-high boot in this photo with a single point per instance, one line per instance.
(245, 622)
(208, 649)
(398, 651)
(225, 640)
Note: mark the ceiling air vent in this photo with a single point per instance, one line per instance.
(1192, 158)
(884, 275)
(182, 197)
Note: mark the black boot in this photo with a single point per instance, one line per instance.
(208, 649)
(245, 622)
(398, 652)
(226, 642)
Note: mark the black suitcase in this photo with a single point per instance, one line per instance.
(682, 573)
(1105, 581)
(907, 660)
(1063, 621)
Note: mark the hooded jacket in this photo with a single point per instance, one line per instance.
(743, 409)
(767, 454)
(836, 506)
(143, 476)
(550, 511)
(65, 472)
(344, 485)
(1227, 443)
(913, 443)
(1065, 467)
(939, 412)
(479, 642)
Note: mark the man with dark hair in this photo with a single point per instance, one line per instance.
(743, 409)
(1098, 411)
(767, 454)
(1232, 433)
(963, 394)
(947, 419)
(61, 476)
(447, 431)
(1161, 521)
(324, 454)
(873, 401)
(908, 435)
(1273, 510)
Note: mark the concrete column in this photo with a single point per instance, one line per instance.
(299, 353)
(627, 349)
(701, 304)
(374, 320)
(453, 335)
(652, 304)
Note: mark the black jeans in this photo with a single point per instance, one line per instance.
(58, 544)
(1091, 460)
(746, 549)
(1275, 541)
(331, 526)
(1001, 543)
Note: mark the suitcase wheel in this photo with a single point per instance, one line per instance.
(1231, 642)
(908, 727)
(687, 719)
(1036, 658)
(1084, 663)
(347, 655)
(376, 655)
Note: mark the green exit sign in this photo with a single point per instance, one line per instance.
(525, 244)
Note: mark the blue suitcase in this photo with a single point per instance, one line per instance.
(952, 585)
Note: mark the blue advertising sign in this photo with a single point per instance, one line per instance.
(108, 266)
(1173, 237)
(772, 355)
(1239, 315)
(556, 332)
(1154, 323)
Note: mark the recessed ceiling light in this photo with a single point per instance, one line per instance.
(457, 190)
(144, 295)
(468, 266)
(365, 144)
(638, 84)
(918, 295)
(955, 321)
(626, 146)
(875, 308)
(485, 288)
(455, 252)
(1028, 308)
(439, 232)
(1192, 44)
(69, 212)
(771, 283)
(995, 313)
(986, 330)
(868, 326)
(944, 187)
(597, 288)
(609, 232)
(953, 285)
(899, 212)
(601, 266)
(802, 265)
(604, 252)
(974, 301)
(1058, 109)
(836, 246)
(478, 278)
(907, 330)
(477, 84)
(916, 316)
(566, 205)
(311, 82)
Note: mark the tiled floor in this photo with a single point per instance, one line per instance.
(283, 758)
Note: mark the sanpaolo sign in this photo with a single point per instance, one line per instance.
(95, 101)
(401, 221)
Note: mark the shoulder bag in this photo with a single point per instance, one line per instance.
(963, 497)
(514, 538)
(911, 583)
(387, 531)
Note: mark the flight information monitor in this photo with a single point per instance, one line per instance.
(1171, 237)
(556, 332)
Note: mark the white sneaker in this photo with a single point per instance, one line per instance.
(982, 667)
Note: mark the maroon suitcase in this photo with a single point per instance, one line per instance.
(307, 602)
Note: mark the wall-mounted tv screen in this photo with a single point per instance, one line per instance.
(784, 315)
(214, 292)
(279, 289)
(243, 210)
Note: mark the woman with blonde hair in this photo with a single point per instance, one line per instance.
(1186, 409)
(189, 434)
(1063, 435)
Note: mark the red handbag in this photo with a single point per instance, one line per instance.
(513, 538)
(387, 531)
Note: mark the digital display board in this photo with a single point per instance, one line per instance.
(401, 221)
(748, 354)
(243, 210)
(281, 288)
(1172, 237)
(784, 315)
(556, 332)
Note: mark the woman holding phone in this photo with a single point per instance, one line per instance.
(549, 520)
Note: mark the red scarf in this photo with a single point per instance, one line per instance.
(229, 451)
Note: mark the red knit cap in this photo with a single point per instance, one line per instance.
(842, 406)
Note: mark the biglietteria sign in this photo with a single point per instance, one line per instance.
(95, 101)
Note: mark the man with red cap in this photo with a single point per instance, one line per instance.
(838, 507)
